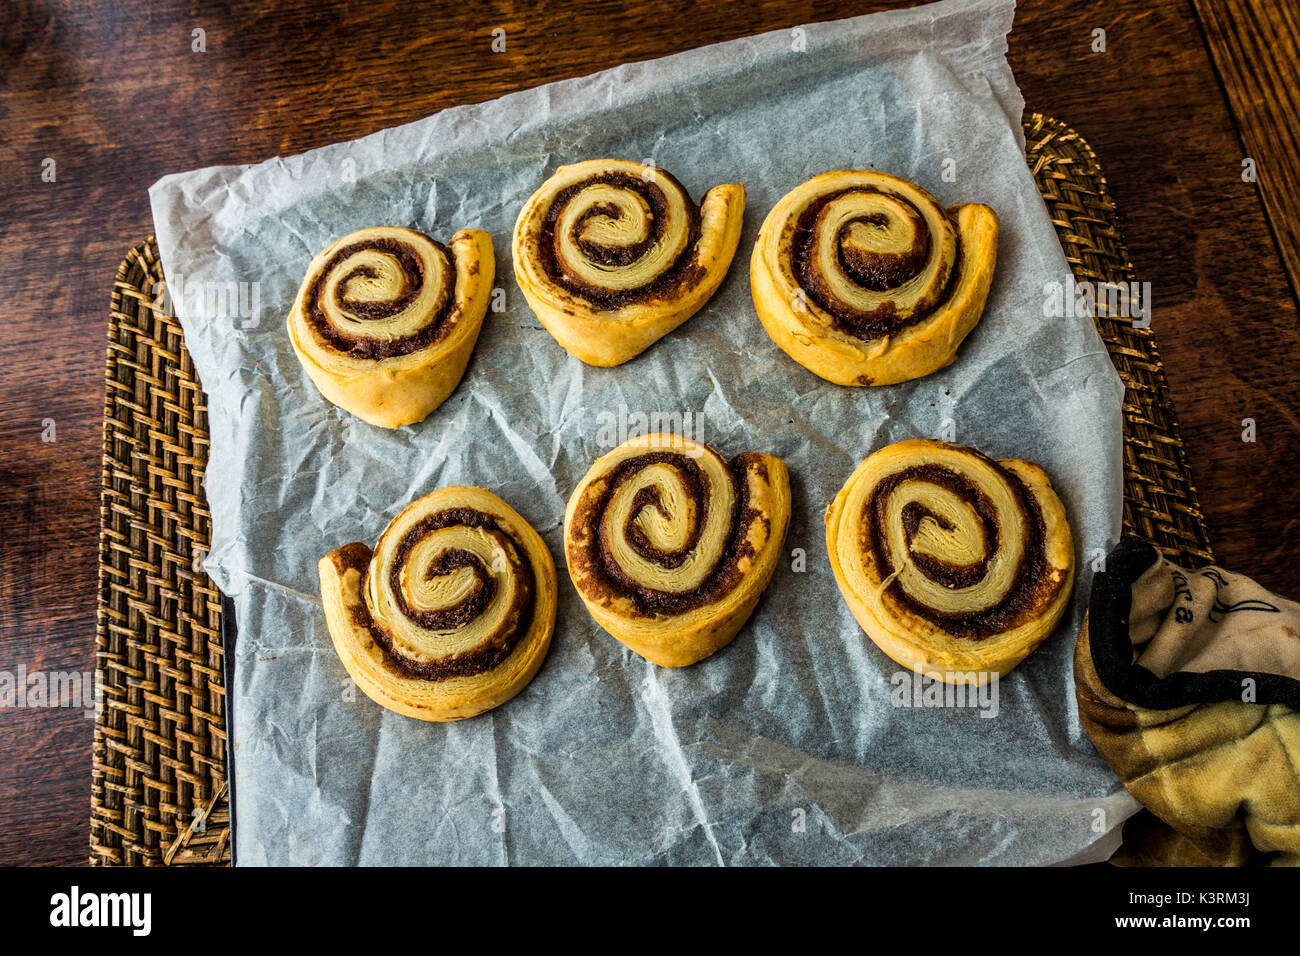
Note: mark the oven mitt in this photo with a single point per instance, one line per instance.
(1188, 683)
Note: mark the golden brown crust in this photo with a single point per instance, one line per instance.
(670, 546)
(865, 279)
(386, 319)
(953, 563)
(612, 255)
(451, 614)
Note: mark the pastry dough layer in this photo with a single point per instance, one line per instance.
(865, 279)
(612, 255)
(670, 546)
(953, 563)
(386, 319)
(451, 614)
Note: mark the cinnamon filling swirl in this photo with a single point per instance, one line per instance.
(383, 297)
(874, 261)
(614, 238)
(448, 610)
(671, 533)
(1028, 583)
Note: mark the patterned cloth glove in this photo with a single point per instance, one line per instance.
(1188, 683)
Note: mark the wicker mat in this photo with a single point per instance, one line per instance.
(159, 777)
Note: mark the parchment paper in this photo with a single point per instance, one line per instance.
(785, 747)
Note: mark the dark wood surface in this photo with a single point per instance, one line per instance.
(114, 94)
(1256, 48)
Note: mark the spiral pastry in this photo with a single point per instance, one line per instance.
(953, 563)
(451, 614)
(670, 546)
(864, 279)
(613, 255)
(386, 319)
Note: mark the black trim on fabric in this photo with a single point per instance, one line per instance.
(1112, 647)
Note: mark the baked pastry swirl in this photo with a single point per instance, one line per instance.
(953, 563)
(670, 546)
(386, 319)
(451, 614)
(613, 255)
(865, 279)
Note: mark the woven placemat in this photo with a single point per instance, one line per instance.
(1160, 501)
(159, 763)
(159, 775)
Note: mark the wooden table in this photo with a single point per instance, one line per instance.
(116, 95)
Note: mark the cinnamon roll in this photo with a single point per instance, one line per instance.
(386, 319)
(670, 546)
(613, 255)
(452, 612)
(865, 279)
(953, 563)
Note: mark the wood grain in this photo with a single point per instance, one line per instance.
(1256, 48)
(115, 95)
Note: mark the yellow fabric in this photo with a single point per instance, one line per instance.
(1221, 779)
